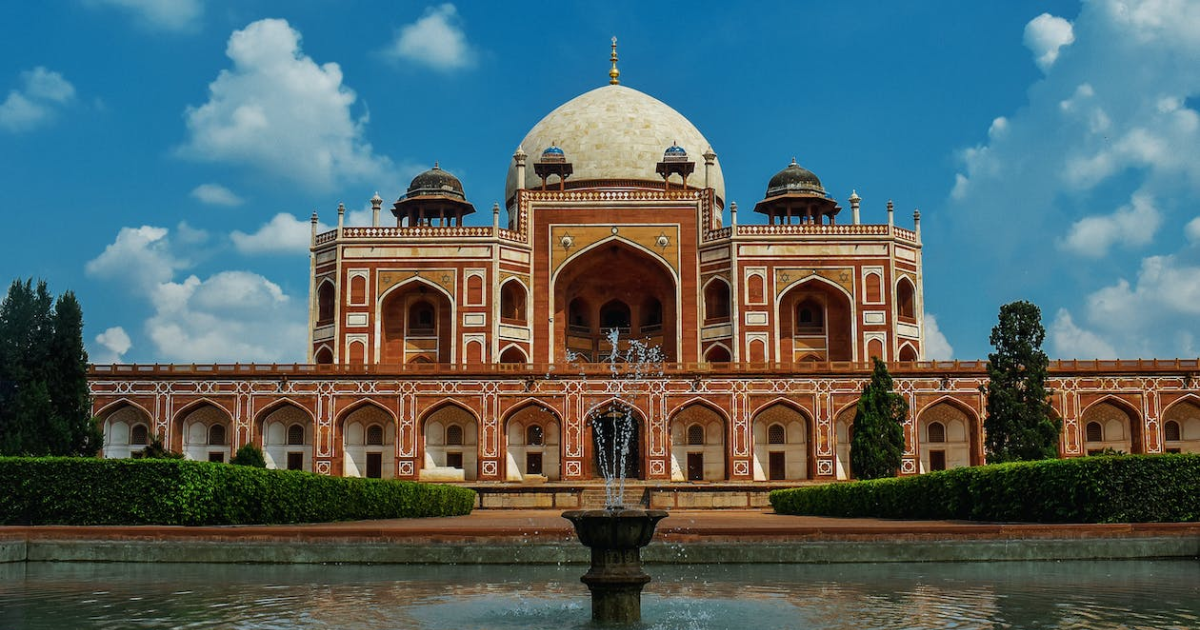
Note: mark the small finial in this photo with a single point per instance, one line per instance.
(376, 199)
(496, 207)
(614, 74)
(917, 215)
(341, 208)
(435, 165)
(793, 161)
(890, 206)
(314, 216)
(854, 196)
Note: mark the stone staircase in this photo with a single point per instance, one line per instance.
(592, 498)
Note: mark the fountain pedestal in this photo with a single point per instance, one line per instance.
(616, 537)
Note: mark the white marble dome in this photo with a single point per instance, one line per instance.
(614, 132)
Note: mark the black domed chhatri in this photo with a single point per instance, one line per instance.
(794, 179)
(435, 198)
(437, 182)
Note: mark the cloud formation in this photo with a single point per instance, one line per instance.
(1100, 162)
(276, 110)
(110, 346)
(937, 347)
(1045, 35)
(216, 195)
(41, 95)
(165, 15)
(1130, 225)
(283, 234)
(230, 316)
(435, 40)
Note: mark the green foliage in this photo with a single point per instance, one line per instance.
(45, 407)
(86, 491)
(877, 445)
(249, 455)
(156, 450)
(1119, 489)
(1019, 424)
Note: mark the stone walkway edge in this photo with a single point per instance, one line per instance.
(544, 537)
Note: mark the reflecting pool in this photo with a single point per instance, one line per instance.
(1092, 595)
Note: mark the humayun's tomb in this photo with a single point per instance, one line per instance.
(445, 351)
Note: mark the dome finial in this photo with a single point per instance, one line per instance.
(614, 73)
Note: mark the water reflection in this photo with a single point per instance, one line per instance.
(1065, 595)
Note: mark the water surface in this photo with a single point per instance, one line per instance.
(1066, 595)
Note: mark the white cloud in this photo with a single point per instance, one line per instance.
(170, 15)
(278, 111)
(216, 195)
(1068, 341)
(141, 256)
(1045, 35)
(113, 344)
(283, 234)
(1192, 230)
(937, 347)
(435, 40)
(1132, 224)
(231, 316)
(43, 92)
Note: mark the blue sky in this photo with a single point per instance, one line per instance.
(161, 157)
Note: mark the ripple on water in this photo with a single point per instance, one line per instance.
(1065, 596)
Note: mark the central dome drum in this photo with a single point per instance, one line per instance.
(615, 132)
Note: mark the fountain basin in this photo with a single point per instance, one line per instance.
(615, 579)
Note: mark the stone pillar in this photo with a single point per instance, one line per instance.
(854, 201)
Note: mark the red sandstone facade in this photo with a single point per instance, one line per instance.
(453, 352)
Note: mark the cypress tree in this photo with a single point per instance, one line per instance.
(45, 408)
(878, 442)
(1019, 424)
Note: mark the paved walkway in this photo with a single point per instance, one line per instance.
(547, 526)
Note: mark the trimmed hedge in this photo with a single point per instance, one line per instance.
(1105, 489)
(87, 491)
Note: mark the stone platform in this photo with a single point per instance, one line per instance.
(646, 494)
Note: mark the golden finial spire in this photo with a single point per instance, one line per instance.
(614, 73)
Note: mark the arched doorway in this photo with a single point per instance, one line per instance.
(615, 285)
(1109, 425)
(697, 445)
(944, 437)
(206, 431)
(369, 443)
(451, 438)
(1181, 428)
(616, 444)
(416, 325)
(781, 444)
(533, 442)
(126, 432)
(815, 323)
(287, 438)
(843, 429)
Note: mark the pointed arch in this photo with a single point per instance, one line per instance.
(1184, 435)
(792, 458)
(326, 302)
(834, 339)
(394, 334)
(513, 354)
(360, 456)
(961, 445)
(445, 458)
(118, 429)
(906, 299)
(191, 438)
(271, 434)
(717, 300)
(514, 301)
(699, 431)
(907, 353)
(323, 354)
(523, 458)
(600, 430)
(1131, 440)
(718, 353)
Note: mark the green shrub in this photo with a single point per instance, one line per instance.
(249, 455)
(1101, 489)
(86, 491)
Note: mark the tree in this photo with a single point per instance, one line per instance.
(877, 445)
(249, 455)
(1019, 423)
(45, 407)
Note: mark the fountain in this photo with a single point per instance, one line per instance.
(617, 533)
